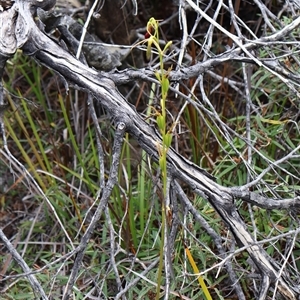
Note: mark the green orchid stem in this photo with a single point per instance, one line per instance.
(161, 253)
(161, 120)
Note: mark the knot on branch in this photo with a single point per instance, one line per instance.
(16, 22)
(8, 42)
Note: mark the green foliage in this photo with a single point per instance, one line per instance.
(62, 158)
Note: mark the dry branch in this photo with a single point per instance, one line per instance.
(20, 30)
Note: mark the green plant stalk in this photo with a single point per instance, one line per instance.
(35, 85)
(129, 229)
(78, 155)
(198, 136)
(32, 146)
(132, 222)
(161, 252)
(75, 146)
(200, 278)
(93, 147)
(143, 167)
(161, 120)
(166, 143)
(24, 154)
(38, 140)
(141, 188)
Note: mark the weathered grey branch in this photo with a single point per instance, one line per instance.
(121, 77)
(25, 34)
(36, 286)
(106, 192)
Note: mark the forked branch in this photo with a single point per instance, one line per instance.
(20, 30)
